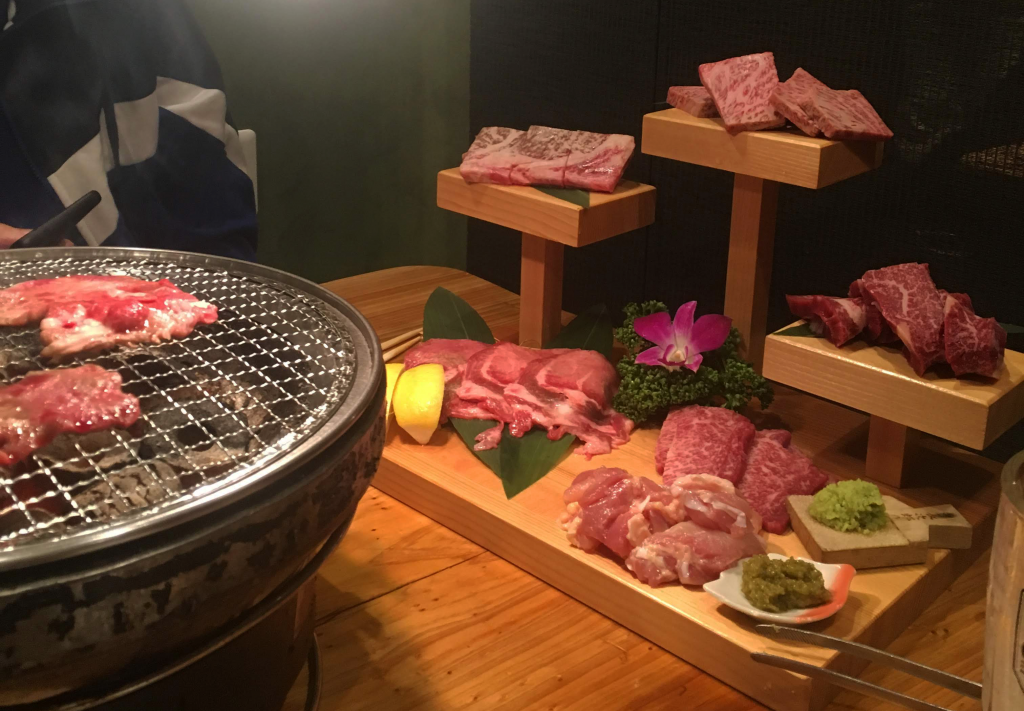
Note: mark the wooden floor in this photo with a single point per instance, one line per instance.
(413, 616)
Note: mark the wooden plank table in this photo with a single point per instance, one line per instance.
(411, 615)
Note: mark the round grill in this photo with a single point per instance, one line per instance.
(285, 370)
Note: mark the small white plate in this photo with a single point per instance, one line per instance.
(727, 590)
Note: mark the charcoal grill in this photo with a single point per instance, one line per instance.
(259, 434)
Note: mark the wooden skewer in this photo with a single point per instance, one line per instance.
(392, 342)
(390, 355)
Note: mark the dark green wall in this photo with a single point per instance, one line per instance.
(356, 105)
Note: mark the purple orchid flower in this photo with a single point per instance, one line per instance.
(680, 342)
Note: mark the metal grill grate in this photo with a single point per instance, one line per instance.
(217, 406)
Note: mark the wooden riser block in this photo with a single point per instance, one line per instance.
(526, 209)
(889, 447)
(540, 314)
(879, 381)
(786, 156)
(751, 249)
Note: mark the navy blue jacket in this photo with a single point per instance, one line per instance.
(124, 97)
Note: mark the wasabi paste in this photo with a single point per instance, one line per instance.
(854, 506)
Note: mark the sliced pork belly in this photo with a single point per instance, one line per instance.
(703, 440)
(913, 308)
(691, 554)
(609, 507)
(775, 471)
(488, 372)
(838, 320)
(973, 345)
(572, 393)
(713, 503)
(452, 354)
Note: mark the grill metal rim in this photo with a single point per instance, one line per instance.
(286, 456)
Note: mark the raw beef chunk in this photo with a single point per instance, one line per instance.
(740, 88)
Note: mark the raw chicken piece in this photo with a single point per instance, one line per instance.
(713, 503)
(690, 553)
(609, 507)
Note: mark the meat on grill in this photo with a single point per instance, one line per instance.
(838, 320)
(740, 88)
(703, 440)
(87, 313)
(43, 405)
(844, 115)
(786, 98)
(547, 156)
(693, 100)
(562, 390)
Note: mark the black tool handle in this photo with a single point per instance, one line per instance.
(52, 232)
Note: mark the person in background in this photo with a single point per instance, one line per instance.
(126, 98)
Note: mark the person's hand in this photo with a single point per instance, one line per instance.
(9, 235)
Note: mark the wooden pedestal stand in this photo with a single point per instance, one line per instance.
(761, 160)
(880, 382)
(547, 224)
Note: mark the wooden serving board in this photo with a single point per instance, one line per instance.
(446, 482)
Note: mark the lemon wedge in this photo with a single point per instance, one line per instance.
(417, 400)
(392, 371)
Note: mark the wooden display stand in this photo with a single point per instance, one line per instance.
(445, 481)
(879, 381)
(547, 224)
(761, 160)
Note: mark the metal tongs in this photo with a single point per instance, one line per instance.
(52, 232)
(962, 686)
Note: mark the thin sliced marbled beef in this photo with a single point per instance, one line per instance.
(774, 471)
(703, 440)
(452, 355)
(838, 320)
